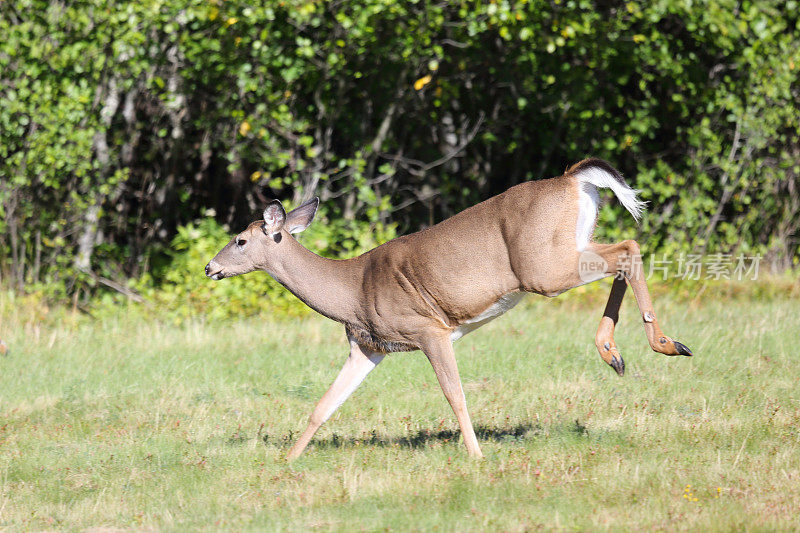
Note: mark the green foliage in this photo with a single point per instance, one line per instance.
(122, 122)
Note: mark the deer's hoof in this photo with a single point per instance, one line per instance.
(617, 364)
(683, 349)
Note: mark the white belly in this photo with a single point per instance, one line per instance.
(495, 310)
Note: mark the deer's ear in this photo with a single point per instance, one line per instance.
(274, 217)
(299, 219)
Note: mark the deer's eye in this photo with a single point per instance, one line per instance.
(241, 242)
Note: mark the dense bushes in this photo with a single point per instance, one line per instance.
(122, 124)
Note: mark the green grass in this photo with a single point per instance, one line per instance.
(136, 423)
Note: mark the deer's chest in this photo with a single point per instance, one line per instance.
(375, 343)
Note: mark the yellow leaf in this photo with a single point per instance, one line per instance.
(638, 38)
(213, 13)
(231, 21)
(255, 176)
(422, 82)
(244, 128)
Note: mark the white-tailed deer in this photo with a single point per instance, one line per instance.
(425, 290)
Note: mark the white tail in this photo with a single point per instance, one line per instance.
(422, 291)
(596, 173)
(606, 177)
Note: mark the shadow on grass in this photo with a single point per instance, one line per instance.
(423, 437)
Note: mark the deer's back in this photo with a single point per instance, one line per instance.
(450, 273)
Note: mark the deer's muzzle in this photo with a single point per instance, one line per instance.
(214, 271)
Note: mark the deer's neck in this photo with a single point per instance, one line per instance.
(328, 286)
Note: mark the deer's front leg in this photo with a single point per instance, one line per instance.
(440, 354)
(355, 369)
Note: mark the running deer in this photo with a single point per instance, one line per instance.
(425, 290)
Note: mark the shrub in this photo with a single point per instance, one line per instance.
(122, 122)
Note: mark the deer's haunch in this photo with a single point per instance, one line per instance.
(425, 290)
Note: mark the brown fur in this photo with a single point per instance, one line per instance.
(414, 291)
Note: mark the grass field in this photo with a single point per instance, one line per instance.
(130, 422)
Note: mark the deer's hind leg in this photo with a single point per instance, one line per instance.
(604, 339)
(624, 259)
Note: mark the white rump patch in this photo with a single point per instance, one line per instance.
(505, 303)
(588, 206)
(589, 180)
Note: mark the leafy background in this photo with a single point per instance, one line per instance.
(135, 137)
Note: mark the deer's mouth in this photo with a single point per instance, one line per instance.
(216, 275)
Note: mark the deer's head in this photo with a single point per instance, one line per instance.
(258, 246)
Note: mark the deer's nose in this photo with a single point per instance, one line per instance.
(214, 271)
